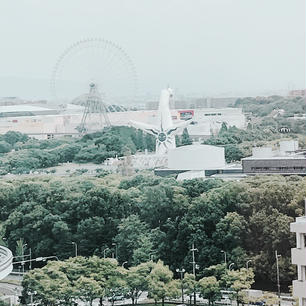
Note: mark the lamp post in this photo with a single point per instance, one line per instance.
(15, 295)
(193, 249)
(30, 293)
(22, 250)
(277, 256)
(75, 248)
(182, 271)
(104, 252)
(116, 250)
(225, 260)
(230, 266)
(247, 264)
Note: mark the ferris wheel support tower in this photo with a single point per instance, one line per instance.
(94, 105)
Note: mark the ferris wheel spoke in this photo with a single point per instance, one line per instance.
(96, 60)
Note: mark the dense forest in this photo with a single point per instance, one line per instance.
(145, 217)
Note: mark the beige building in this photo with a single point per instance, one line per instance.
(41, 122)
(298, 257)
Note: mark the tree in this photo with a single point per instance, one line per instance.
(5, 147)
(185, 139)
(144, 250)
(239, 280)
(20, 249)
(128, 238)
(270, 299)
(88, 289)
(178, 141)
(160, 283)
(51, 285)
(13, 137)
(137, 280)
(230, 233)
(233, 153)
(223, 128)
(218, 271)
(189, 285)
(209, 289)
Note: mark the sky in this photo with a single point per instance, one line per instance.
(198, 47)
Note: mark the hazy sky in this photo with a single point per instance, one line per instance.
(206, 47)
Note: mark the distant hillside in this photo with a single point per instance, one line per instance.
(264, 106)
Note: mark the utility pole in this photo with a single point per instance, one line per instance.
(225, 259)
(116, 250)
(277, 275)
(193, 270)
(75, 248)
(30, 253)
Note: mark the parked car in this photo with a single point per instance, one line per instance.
(116, 298)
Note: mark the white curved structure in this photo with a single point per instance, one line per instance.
(196, 157)
(165, 130)
(6, 262)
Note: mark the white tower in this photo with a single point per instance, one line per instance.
(164, 130)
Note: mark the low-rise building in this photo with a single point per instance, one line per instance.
(288, 160)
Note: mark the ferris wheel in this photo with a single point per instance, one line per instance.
(94, 63)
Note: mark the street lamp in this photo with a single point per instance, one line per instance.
(247, 264)
(116, 250)
(225, 261)
(230, 266)
(31, 295)
(75, 248)
(104, 252)
(45, 258)
(277, 256)
(182, 271)
(34, 259)
(125, 262)
(4, 240)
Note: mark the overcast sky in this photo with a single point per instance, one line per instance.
(204, 47)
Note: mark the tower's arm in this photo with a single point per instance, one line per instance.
(175, 128)
(147, 128)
